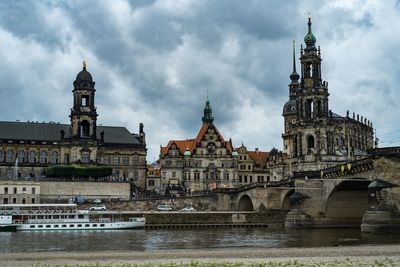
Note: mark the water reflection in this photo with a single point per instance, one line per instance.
(141, 240)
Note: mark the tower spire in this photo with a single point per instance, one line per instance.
(294, 76)
(310, 39)
(208, 118)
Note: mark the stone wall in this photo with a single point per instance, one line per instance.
(50, 191)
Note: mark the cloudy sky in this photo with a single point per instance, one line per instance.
(154, 60)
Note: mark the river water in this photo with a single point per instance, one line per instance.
(146, 240)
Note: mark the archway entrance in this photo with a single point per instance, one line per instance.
(245, 204)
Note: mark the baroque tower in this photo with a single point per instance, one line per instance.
(83, 114)
(314, 137)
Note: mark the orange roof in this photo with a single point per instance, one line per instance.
(259, 157)
(191, 144)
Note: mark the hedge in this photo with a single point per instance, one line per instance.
(77, 171)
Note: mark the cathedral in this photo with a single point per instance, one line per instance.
(315, 137)
(28, 148)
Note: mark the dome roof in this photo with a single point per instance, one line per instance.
(84, 75)
(310, 39)
(289, 107)
(187, 152)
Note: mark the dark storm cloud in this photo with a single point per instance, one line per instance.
(153, 61)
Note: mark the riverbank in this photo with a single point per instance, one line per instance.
(386, 255)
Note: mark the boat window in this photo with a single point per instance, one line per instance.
(63, 226)
(56, 226)
(31, 226)
(94, 225)
(87, 225)
(80, 216)
(40, 216)
(71, 216)
(40, 226)
(102, 225)
(71, 225)
(56, 216)
(79, 225)
(48, 226)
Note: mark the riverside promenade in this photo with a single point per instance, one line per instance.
(384, 255)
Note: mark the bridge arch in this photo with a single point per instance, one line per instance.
(286, 199)
(245, 203)
(348, 201)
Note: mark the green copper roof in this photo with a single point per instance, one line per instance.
(187, 152)
(310, 39)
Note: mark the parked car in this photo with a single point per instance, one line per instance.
(189, 209)
(98, 208)
(163, 208)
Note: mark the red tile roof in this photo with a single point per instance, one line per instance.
(191, 144)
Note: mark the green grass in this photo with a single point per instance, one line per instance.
(289, 263)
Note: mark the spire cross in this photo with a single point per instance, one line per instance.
(84, 63)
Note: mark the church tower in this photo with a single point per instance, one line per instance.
(312, 97)
(83, 114)
(290, 110)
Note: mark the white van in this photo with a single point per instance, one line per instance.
(163, 208)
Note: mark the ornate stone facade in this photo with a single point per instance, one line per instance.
(315, 137)
(27, 148)
(201, 164)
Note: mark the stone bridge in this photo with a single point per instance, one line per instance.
(332, 197)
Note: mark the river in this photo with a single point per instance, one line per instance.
(150, 240)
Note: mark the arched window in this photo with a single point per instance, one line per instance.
(310, 144)
(54, 157)
(21, 156)
(32, 156)
(85, 157)
(84, 129)
(10, 156)
(1, 156)
(43, 157)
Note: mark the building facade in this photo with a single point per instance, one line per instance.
(201, 164)
(315, 137)
(19, 192)
(27, 148)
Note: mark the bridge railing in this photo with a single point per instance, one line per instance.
(254, 185)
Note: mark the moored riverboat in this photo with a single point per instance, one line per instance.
(42, 217)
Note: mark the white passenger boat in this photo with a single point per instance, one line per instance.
(42, 217)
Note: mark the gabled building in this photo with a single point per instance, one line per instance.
(200, 164)
(27, 148)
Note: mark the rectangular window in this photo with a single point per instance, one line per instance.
(14, 190)
(173, 174)
(106, 160)
(125, 161)
(55, 226)
(5, 200)
(116, 160)
(66, 159)
(135, 176)
(63, 226)
(135, 160)
(6, 190)
(31, 226)
(85, 100)
(14, 200)
(33, 190)
(48, 226)
(24, 201)
(71, 225)
(33, 201)
(23, 190)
